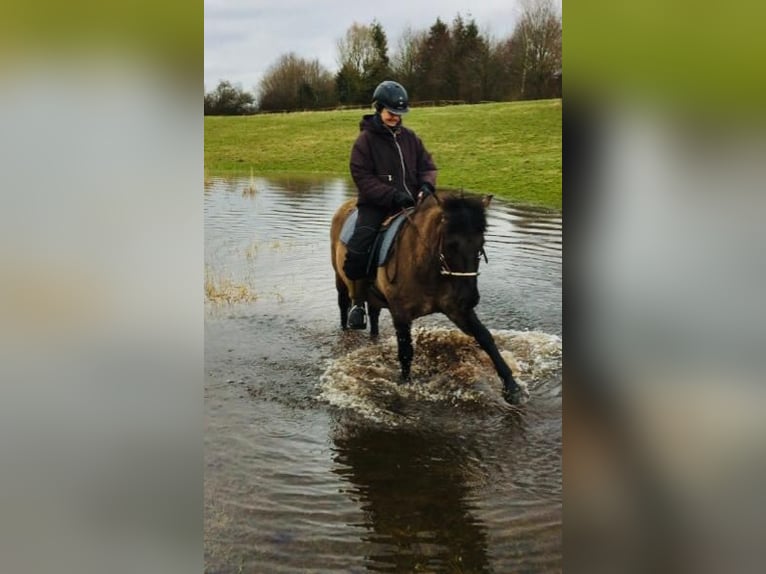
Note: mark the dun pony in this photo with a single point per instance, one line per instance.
(433, 268)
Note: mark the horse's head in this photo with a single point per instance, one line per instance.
(461, 245)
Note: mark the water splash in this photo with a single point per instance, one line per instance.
(448, 368)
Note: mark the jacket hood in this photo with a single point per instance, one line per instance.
(373, 123)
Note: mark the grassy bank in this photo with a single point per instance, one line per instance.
(512, 150)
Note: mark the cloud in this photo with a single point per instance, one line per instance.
(242, 39)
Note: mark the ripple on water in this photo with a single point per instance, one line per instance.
(448, 480)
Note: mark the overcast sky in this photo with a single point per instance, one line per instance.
(243, 38)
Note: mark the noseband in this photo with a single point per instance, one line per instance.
(445, 269)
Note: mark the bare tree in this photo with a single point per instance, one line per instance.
(404, 61)
(295, 83)
(535, 48)
(357, 49)
(363, 62)
(499, 81)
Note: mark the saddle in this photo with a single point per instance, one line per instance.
(384, 240)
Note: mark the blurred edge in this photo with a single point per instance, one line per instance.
(663, 440)
(167, 33)
(663, 203)
(101, 292)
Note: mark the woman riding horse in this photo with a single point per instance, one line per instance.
(388, 163)
(433, 269)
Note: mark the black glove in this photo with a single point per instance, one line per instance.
(425, 190)
(402, 199)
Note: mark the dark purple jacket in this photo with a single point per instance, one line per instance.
(377, 158)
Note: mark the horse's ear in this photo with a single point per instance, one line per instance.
(486, 201)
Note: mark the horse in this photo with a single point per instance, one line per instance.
(433, 268)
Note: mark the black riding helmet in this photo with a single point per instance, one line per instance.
(392, 96)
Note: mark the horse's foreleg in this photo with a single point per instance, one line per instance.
(374, 320)
(404, 344)
(470, 324)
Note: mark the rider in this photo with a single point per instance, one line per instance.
(391, 168)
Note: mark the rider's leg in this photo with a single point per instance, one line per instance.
(357, 257)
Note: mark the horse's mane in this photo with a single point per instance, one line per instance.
(464, 214)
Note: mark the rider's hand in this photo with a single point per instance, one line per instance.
(402, 199)
(426, 189)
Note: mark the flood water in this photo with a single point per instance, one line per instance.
(316, 460)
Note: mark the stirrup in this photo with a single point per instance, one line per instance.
(357, 318)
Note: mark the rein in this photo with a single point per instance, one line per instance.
(399, 237)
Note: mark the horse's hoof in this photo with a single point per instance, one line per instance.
(516, 396)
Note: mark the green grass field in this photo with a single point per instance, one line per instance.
(510, 149)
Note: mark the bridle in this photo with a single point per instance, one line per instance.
(445, 268)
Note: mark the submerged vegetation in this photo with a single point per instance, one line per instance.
(224, 290)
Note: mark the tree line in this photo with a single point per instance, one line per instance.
(442, 64)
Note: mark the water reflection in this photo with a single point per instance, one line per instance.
(414, 489)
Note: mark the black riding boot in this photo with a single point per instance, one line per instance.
(357, 318)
